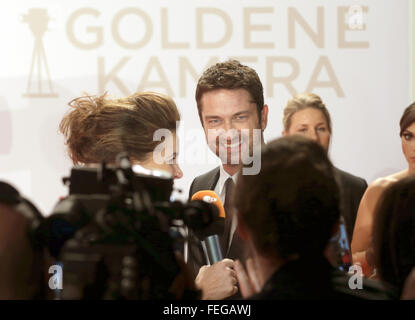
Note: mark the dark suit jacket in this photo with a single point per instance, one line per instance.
(317, 279)
(352, 189)
(196, 258)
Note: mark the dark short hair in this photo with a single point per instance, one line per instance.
(408, 117)
(230, 74)
(394, 232)
(292, 205)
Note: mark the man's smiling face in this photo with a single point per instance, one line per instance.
(229, 118)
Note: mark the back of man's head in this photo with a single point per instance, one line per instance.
(292, 206)
(21, 259)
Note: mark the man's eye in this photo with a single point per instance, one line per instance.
(213, 121)
(322, 129)
(302, 130)
(240, 118)
(407, 136)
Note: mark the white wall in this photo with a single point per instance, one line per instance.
(366, 90)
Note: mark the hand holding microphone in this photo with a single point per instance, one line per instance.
(218, 280)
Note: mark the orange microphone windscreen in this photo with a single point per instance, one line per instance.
(210, 196)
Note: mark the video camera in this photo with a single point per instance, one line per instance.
(115, 234)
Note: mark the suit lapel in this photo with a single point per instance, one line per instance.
(213, 179)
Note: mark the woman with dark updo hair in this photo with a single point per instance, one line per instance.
(362, 235)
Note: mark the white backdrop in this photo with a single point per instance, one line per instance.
(357, 62)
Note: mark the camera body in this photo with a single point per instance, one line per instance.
(115, 234)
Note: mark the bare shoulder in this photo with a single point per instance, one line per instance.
(385, 182)
(380, 184)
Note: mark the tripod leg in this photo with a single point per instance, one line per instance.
(32, 65)
(39, 64)
(43, 54)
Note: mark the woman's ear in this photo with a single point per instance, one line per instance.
(284, 133)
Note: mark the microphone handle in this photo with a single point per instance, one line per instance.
(213, 251)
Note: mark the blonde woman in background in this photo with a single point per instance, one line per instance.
(307, 115)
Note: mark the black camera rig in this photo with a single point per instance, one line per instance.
(116, 233)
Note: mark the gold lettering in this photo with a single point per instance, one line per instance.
(246, 59)
(163, 83)
(99, 38)
(286, 81)
(148, 28)
(165, 43)
(185, 67)
(203, 44)
(333, 82)
(317, 37)
(103, 79)
(249, 27)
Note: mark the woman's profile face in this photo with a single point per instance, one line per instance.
(164, 158)
(312, 124)
(408, 144)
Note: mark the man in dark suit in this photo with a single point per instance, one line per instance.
(296, 200)
(231, 108)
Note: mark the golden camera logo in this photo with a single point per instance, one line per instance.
(38, 20)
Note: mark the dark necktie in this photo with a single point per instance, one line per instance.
(229, 184)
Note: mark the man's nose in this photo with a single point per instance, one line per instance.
(228, 126)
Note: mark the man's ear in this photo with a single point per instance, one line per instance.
(284, 133)
(264, 117)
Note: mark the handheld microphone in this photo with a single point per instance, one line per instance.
(210, 242)
(210, 196)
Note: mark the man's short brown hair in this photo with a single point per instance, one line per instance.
(230, 74)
